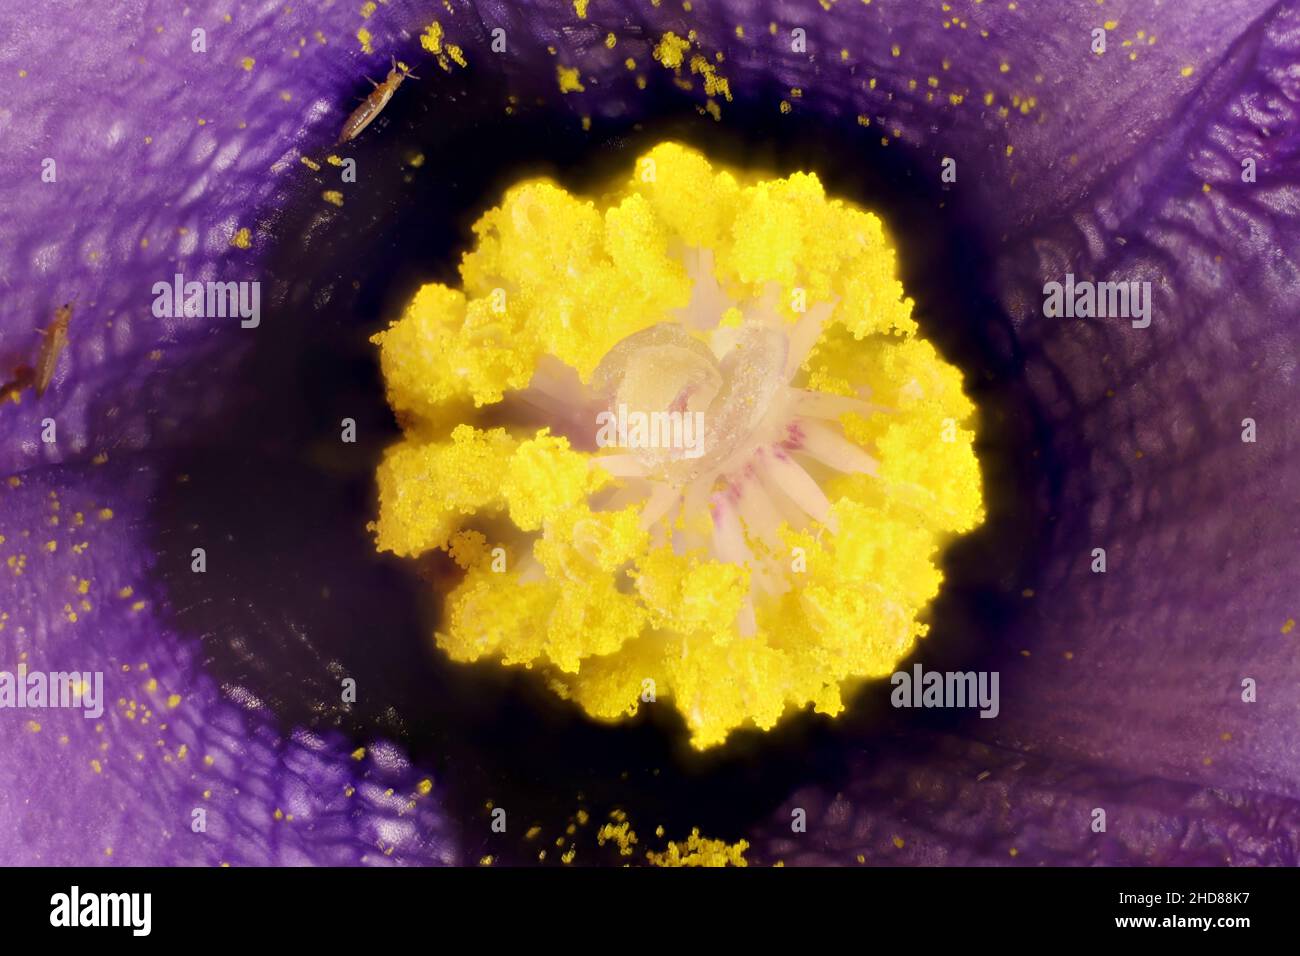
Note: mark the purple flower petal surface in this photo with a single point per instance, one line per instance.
(1119, 690)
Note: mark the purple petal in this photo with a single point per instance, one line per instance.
(170, 741)
(1130, 696)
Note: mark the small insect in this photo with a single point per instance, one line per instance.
(374, 104)
(56, 340)
(47, 359)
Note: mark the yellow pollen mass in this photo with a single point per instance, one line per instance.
(568, 79)
(683, 446)
(696, 850)
(671, 50)
(431, 39)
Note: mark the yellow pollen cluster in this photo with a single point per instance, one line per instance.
(696, 850)
(793, 557)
